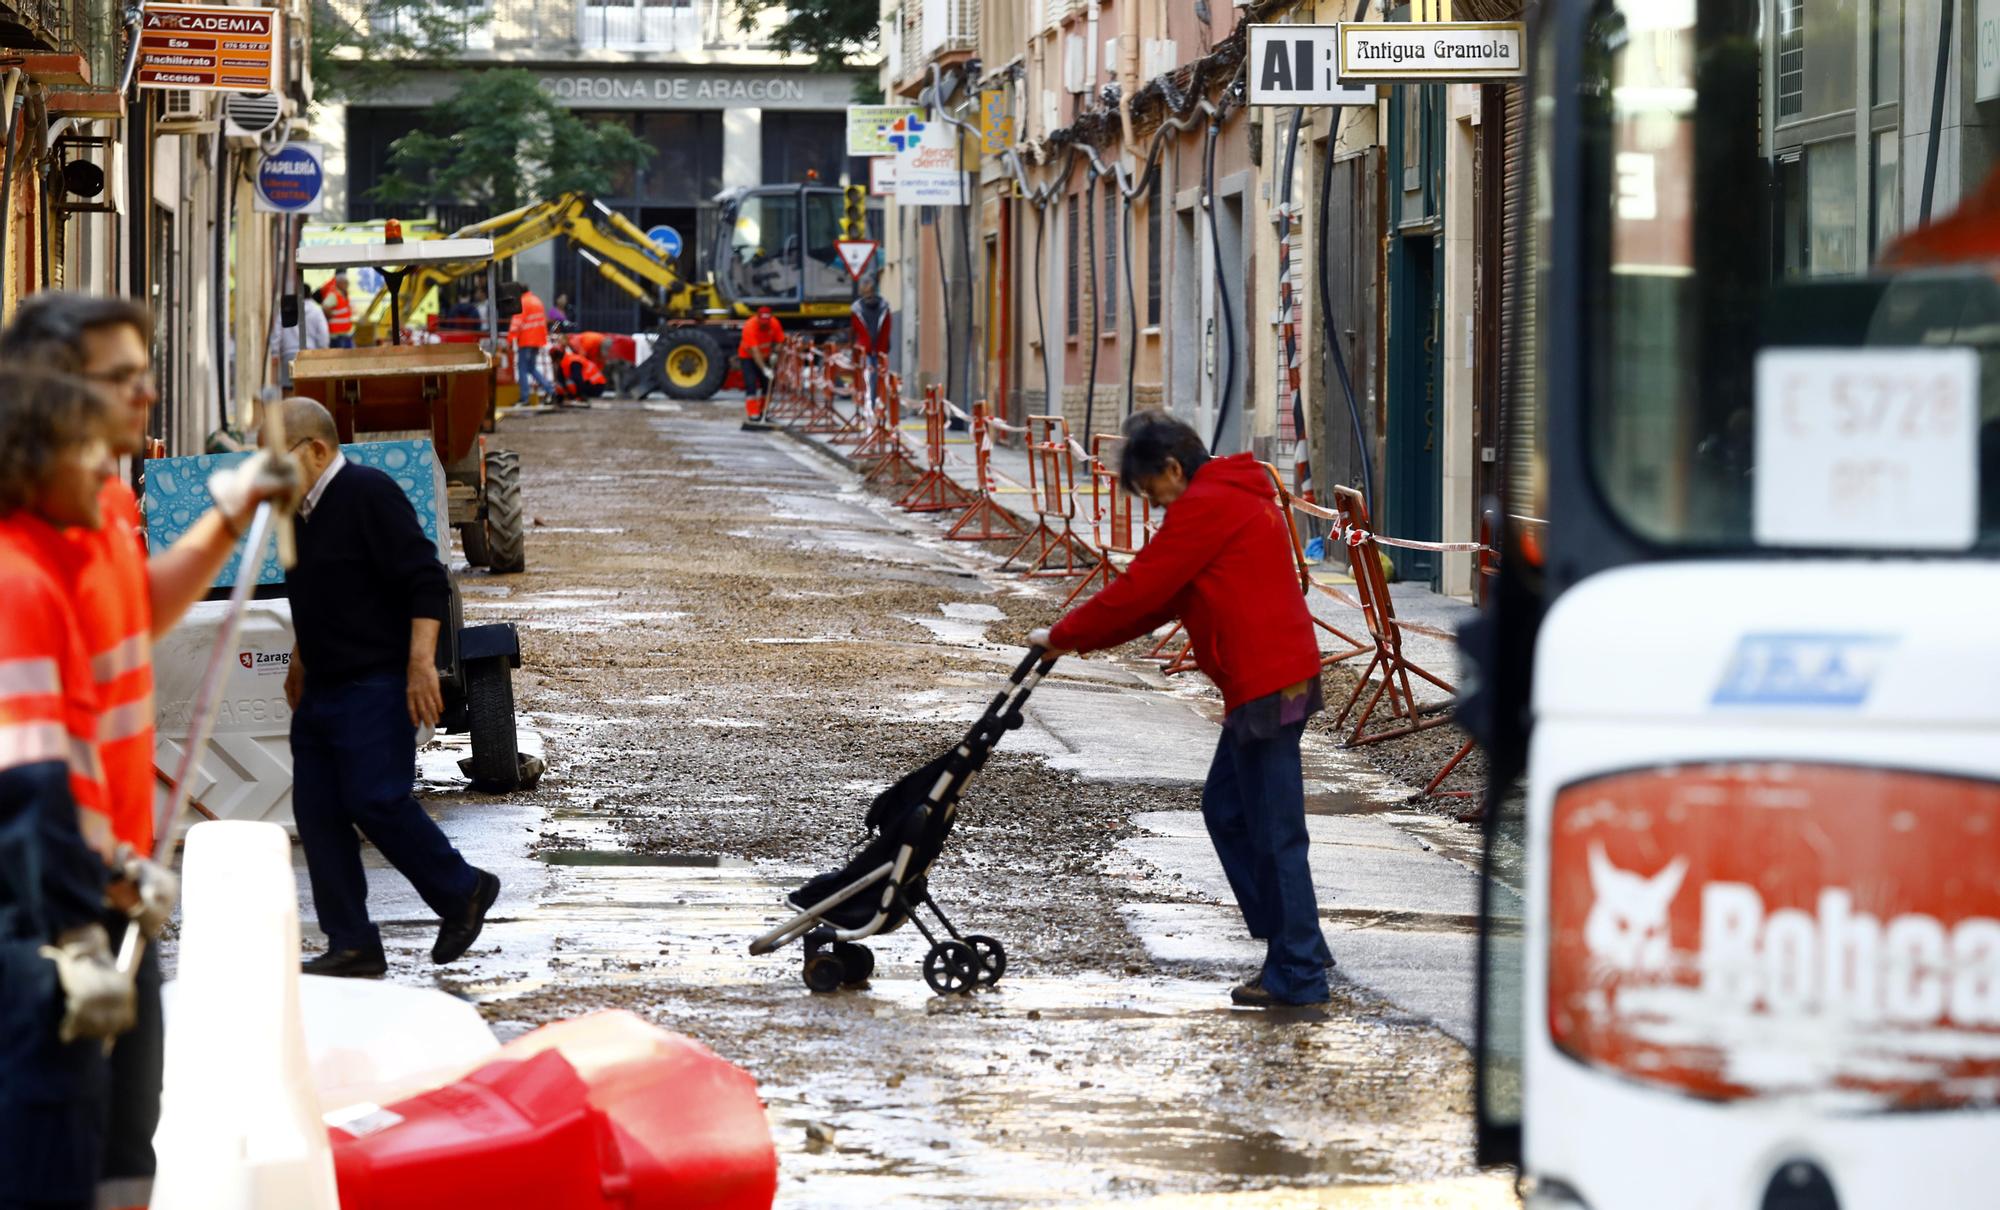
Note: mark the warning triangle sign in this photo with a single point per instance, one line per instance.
(855, 254)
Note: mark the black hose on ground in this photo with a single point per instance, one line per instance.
(1327, 327)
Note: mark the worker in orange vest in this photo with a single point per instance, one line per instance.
(62, 997)
(339, 312)
(761, 337)
(577, 377)
(122, 603)
(529, 330)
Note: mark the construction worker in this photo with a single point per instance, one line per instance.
(578, 379)
(339, 312)
(529, 330)
(62, 997)
(870, 322)
(757, 349)
(122, 603)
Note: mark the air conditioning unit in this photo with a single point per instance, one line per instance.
(184, 111)
(1073, 73)
(1157, 56)
(250, 114)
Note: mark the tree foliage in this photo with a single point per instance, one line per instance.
(364, 49)
(502, 141)
(833, 32)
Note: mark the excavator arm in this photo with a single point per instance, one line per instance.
(627, 257)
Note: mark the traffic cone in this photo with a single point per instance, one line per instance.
(240, 1125)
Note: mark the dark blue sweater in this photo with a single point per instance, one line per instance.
(365, 569)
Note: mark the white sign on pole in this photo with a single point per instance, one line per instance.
(929, 171)
(1986, 29)
(882, 175)
(1435, 53)
(1868, 448)
(1300, 65)
(855, 254)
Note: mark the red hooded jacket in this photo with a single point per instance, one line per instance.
(1222, 563)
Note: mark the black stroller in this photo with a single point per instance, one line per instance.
(886, 881)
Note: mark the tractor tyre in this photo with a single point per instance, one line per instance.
(692, 363)
(472, 538)
(506, 523)
(489, 710)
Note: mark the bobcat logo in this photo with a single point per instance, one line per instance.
(1627, 927)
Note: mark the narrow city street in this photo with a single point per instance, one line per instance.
(729, 646)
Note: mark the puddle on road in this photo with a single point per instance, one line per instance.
(606, 857)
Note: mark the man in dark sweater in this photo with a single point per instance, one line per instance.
(368, 597)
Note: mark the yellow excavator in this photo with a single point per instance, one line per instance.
(774, 247)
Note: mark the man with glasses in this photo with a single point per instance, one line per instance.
(122, 603)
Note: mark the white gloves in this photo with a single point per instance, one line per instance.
(98, 1000)
(159, 889)
(264, 475)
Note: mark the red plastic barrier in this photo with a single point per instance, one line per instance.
(994, 522)
(604, 1111)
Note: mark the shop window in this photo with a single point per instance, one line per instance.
(685, 168)
(1828, 83)
(797, 143)
(1791, 58)
(1886, 44)
(1832, 198)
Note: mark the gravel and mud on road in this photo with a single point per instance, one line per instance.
(728, 647)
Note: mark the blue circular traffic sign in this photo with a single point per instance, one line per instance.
(291, 179)
(668, 238)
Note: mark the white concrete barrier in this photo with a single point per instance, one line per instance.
(246, 773)
(240, 1125)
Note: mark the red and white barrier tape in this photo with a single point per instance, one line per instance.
(1354, 535)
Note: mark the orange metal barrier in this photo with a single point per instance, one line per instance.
(935, 491)
(881, 454)
(984, 509)
(1113, 528)
(1052, 480)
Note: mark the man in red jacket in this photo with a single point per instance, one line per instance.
(1222, 563)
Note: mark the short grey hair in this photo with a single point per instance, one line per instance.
(305, 419)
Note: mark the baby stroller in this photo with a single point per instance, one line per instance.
(882, 886)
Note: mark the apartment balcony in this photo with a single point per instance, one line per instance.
(933, 31)
(51, 25)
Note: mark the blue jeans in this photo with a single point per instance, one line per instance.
(353, 750)
(340, 342)
(1254, 804)
(528, 372)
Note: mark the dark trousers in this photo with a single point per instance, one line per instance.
(340, 342)
(353, 750)
(136, 1061)
(53, 1094)
(753, 376)
(1255, 807)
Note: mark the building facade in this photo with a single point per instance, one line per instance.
(716, 104)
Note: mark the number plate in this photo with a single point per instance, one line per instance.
(1868, 448)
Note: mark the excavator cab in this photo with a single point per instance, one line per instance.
(775, 248)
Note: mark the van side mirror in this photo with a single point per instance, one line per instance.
(288, 311)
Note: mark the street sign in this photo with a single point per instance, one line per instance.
(291, 180)
(855, 254)
(865, 126)
(882, 176)
(1300, 65)
(1442, 52)
(216, 49)
(996, 121)
(666, 237)
(929, 165)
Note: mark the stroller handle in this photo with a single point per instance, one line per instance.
(1037, 654)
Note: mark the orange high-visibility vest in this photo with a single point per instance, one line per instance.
(759, 333)
(590, 344)
(114, 612)
(530, 329)
(48, 696)
(339, 315)
(591, 374)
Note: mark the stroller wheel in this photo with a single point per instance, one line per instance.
(857, 962)
(824, 973)
(951, 968)
(992, 957)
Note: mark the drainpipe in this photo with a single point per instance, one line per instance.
(1090, 52)
(1128, 83)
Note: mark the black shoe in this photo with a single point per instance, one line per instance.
(1254, 983)
(348, 964)
(1259, 996)
(456, 936)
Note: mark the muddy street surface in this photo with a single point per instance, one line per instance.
(728, 647)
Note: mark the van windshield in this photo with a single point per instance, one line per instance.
(1794, 332)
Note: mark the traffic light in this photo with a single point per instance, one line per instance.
(854, 220)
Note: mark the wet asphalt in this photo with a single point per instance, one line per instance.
(728, 646)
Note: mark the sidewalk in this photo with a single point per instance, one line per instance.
(1398, 889)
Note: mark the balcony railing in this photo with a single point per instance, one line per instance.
(57, 25)
(470, 24)
(537, 27)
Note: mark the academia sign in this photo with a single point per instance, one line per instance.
(1300, 65)
(210, 48)
(1433, 53)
